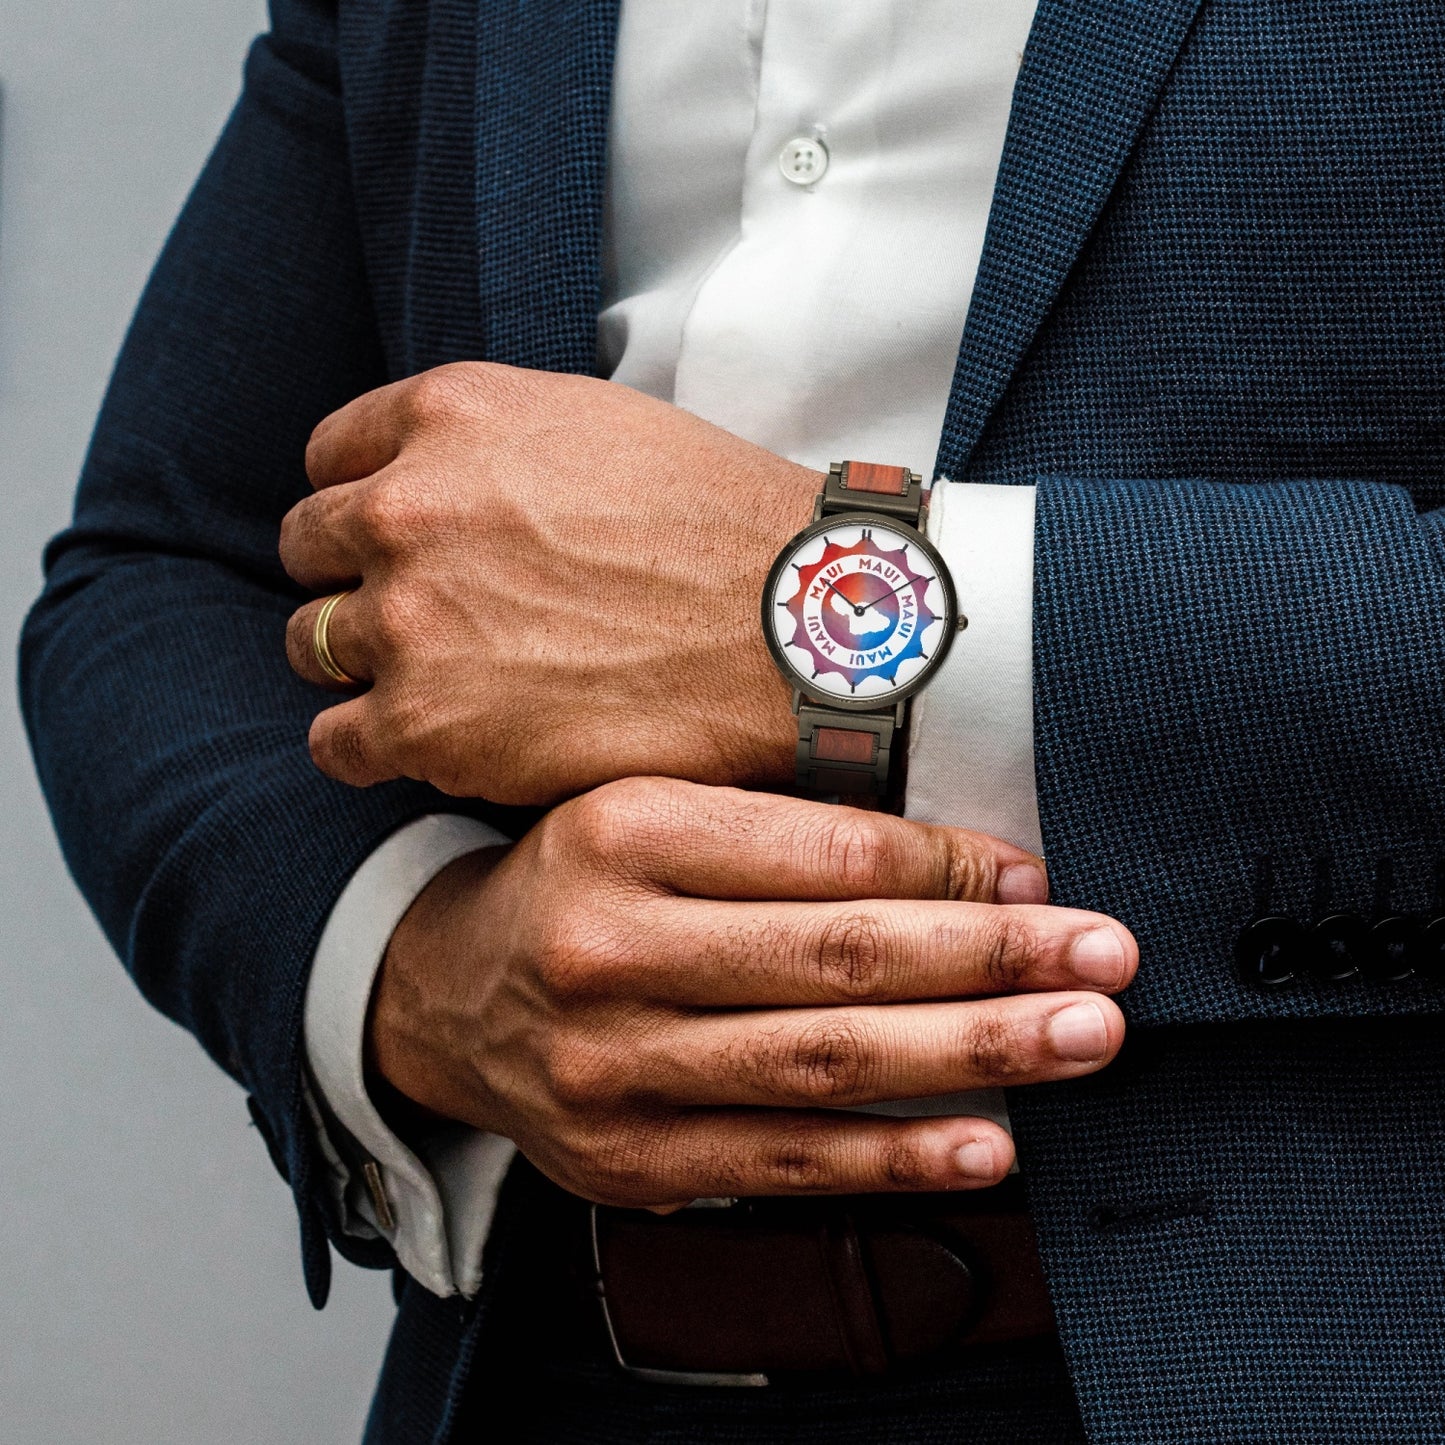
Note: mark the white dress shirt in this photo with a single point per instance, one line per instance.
(797, 197)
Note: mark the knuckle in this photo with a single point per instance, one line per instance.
(319, 746)
(855, 851)
(298, 639)
(494, 389)
(391, 621)
(598, 822)
(580, 1075)
(436, 396)
(566, 956)
(554, 841)
(290, 536)
(581, 956)
(338, 749)
(1008, 955)
(661, 813)
(991, 1048)
(968, 870)
(903, 1167)
(831, 1058)
(349, 749)
(303, 529)
(850, 957)
(392, 514)
(793, 1161)
(608, 822)
(317, 442)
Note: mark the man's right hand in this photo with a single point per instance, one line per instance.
(666, 991)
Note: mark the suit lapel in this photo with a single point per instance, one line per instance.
(1091, 74)
(544, 77)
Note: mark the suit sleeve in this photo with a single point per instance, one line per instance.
(169, 733)
(1240, 711)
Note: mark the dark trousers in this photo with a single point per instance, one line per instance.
(542, 1363)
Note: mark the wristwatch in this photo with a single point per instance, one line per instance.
(859, 612)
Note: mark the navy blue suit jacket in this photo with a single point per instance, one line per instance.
(1209, 324)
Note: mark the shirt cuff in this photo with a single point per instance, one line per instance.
(971, 730)
(433, 1201)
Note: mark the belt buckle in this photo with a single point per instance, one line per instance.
(695, 1378)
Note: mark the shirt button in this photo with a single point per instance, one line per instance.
(803, 160)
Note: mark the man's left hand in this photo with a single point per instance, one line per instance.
(557, 584)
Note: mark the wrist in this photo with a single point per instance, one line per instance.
(415, 1035)
(761, 734)
(764, 753)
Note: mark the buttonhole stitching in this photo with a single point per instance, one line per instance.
(1111, 1218)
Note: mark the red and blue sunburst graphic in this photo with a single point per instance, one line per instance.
(860, 611)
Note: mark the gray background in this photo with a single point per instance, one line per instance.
(149, 1278)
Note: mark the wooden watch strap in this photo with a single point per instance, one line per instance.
(871, 487)
(845, 754)
(871, 477)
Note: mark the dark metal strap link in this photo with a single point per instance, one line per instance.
(892, 491)
(846, 753)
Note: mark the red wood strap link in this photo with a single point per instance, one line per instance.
(870, 477)
(845, 745)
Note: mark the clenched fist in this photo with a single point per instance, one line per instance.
(557, 585)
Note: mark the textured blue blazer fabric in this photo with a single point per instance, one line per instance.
(1209, 325)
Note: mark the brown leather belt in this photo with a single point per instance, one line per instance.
(739, 1292)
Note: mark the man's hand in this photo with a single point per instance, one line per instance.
(558, 583)
(617, 994)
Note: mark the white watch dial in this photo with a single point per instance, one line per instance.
(858, 611)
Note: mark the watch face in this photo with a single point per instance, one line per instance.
(858, 611)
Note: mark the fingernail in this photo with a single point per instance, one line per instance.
(976, 1159)
(1023, 883)
(1097, 957)
(1079, 1033)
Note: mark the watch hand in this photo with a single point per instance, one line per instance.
(912, 582)
(859, 611)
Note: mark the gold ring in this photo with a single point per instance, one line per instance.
(321, 646)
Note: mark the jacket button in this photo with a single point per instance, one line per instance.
(1428, 951)
(1390, 957)
(1339, 943)
(1271, 950)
